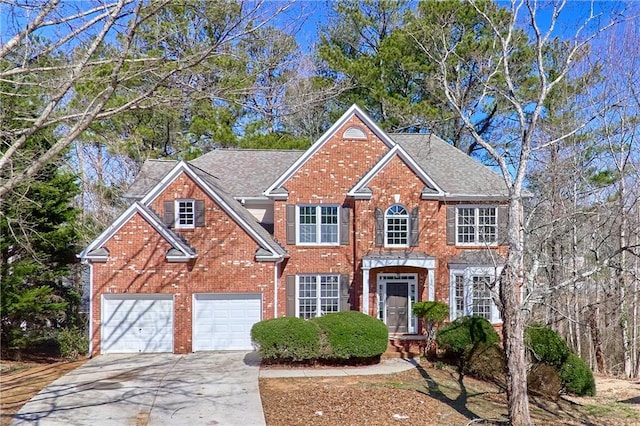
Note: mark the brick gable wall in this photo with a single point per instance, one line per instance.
(225, 264)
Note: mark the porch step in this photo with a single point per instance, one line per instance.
(408, 347)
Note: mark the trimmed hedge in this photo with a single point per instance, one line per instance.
(577, 377)
(546, 346)
(287, 339)
(337, 337)
(459, 336)
(352, 335)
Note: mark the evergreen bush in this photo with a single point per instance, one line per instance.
(459, 336)
(287, 339)
(352, 335)
(546, 346)
(577, 377)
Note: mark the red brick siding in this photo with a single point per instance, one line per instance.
(225, 263)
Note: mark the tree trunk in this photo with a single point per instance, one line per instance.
(597, 342)
(513, 321)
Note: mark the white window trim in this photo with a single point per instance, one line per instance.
(386, 227)
(476, 208)
(176, 211)
(468, 273)
(318, 225)
(318, 292)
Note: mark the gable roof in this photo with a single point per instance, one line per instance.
(246, 172)
(275, 188)
(360, 189)
(180, 249)
(151, 172)
(243, 173)
(460, 176)
(232, 207)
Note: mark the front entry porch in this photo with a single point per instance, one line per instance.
(398, 284)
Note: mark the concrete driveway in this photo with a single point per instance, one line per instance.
(205, 388)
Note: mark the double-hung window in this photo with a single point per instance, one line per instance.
(185, 213)
(471, 294)
(476, 225)
(396, 226)
(317, 295)
(318, 224)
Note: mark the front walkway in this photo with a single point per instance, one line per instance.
(386, 366)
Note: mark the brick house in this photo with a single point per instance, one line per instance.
(362, 220)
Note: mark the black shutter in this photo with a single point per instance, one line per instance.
(199, 211)
(415, 228)
(345, 230)
(451, 225)
(169, 215)
(344, 293)
(291, 296)
(379, 228)
(503, 221)
(291, 223)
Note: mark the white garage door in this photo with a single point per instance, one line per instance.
(137, 323)
(224, 321)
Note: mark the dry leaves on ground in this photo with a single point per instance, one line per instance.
(425, 396)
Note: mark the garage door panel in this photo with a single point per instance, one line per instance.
(133, 324)
(224, 321)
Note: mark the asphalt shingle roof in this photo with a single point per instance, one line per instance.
(454, 171)
(241, 172)
(246, 172)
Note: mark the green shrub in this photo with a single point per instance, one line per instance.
(352, 335)
(546, 346)
(72, 342)
(577, 377)
(459, 336)
(431, 312)
(486, 361)
(287, 339)
(544, 380)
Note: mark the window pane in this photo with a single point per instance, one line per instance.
(307, 221)
(329, 224)
(186, 214)
(482, 297)
(397, 231)
(466, 225)
(307, 300)
(329, 294)
(487, 225)
(397, 222)
(459, 296)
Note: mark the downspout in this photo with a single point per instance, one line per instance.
(90, 309)
(275, 287)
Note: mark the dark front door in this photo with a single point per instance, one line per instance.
(397, 307)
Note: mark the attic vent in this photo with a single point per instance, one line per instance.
(354, 133)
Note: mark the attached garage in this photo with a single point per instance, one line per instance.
(224, 321)
(141, 323)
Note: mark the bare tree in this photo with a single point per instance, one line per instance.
(524, 79)
(97, 60)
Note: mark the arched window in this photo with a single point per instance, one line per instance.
(354, 132)
(396, 226)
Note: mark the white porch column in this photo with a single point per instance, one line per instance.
(432, 284)
(365, 291)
